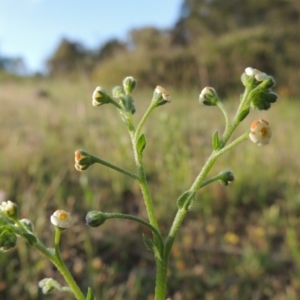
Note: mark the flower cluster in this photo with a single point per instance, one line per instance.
(258, 75)
(260, 86)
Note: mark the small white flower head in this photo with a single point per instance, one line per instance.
(10, 209)
(208, 96)
(260, 132)
(61, 219)
(259, 76)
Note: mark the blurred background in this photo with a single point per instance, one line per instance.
(240, 241)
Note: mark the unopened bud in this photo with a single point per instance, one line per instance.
(118, 92)
(95, 218)
(100, 97)
(8, 240)
(208, 96)
(252, 77)
(226, 177)
(83, 160)
(28, 224)
(161, 96)
(129, 84)
(10, 210)
(47, 285)
(261, 99)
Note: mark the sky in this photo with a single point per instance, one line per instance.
(32, 29)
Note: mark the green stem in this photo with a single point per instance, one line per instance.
(231, 127)
(56, 260)
(198, 183)
(143, 182)
(142, 122)
(121, 170)
(59, 263)
(224, 111)
(161, 278)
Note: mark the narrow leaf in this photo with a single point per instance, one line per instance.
(141, 143)
(215, 140)
(148, 242)
(90, 294)
(244, 113)
(185, 201)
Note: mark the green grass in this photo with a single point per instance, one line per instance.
(238, 242)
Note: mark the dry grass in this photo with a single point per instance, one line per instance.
(239, 242)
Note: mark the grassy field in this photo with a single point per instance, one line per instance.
(239, 242)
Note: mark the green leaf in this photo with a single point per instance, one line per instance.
(148, 242)
(186, 200)
(215, 140)
(32, 240)
(141, 143)
(90, 294)
(151, 246)
(244, 113)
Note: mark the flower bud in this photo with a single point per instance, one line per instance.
(8, 240)
(252, 77)
(83, 160)
(47, 285)
(61, 219)
(126, 101)
(10, 210)
(160, 96)
(260, 132)
(95, 218)
(28, 224)
(129, 84)
(262, 99)
(208, 96)
(4, 221)
(118, 92)
(268, 83)
(226, 177)
(100, 97)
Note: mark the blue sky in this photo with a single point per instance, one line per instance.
(32, 29)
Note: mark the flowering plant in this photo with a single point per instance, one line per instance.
(258, 94)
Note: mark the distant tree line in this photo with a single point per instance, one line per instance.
(211, 44)
(14, 65)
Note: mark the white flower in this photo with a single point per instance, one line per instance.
(61, 219)
(259, 76)
(260, 132)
